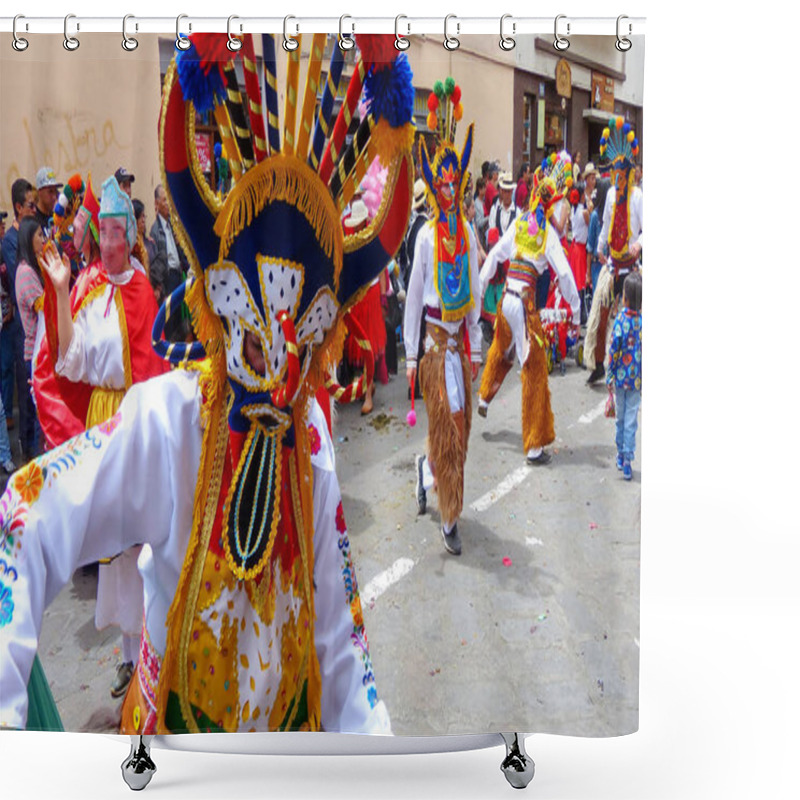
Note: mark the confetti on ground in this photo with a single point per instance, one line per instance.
(542, 617)
(116, 651)
(507, 562)
(534, 628)
(592, 526)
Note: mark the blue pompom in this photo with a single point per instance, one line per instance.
(389, 93)
(626, 128)
(217, 150)
(634, 144)
(602, 140)
(196, 86)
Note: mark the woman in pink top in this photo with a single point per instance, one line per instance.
(30, 287)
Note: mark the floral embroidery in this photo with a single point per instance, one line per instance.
(29, 481)
(341, 525)
(6, 605)
(110, 424)
(8, 570)
(315, 438)
(13, 516)
(359, 635)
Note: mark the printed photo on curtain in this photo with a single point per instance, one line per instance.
(321, 378)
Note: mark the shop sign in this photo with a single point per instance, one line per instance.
(602, 92)
(564, 78)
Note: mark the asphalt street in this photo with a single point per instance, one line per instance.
(534, 627)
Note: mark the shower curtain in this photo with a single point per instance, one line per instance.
(420, 569)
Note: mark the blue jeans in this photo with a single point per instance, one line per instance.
(628, 401)
(595, 271)
(7, 339)
(5, 444)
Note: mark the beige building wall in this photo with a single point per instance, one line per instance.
(96, 108)
(486, 76)
(93, 109)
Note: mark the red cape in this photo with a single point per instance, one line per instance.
(63, 405)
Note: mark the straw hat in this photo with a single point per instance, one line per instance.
(506, 181)
(358, 214)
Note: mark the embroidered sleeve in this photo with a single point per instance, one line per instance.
(350, 702)
(77, 504)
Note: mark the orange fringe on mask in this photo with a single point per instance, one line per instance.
(448, 433)
(537, 415)
(497, 366)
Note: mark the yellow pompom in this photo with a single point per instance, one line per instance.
(432, 120)
(606, 133)
(458, 112)
(619, 122)
(631, 136)
(569, 183)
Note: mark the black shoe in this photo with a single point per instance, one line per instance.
(543, 458)
(122, 679)
(597, 373)
(452, 541)
(422, 495)
(483, 410)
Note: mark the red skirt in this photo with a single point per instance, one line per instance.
(369, 313)
(577, 262)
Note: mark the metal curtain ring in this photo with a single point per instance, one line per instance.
(507, 42)
(450, 42)
(18, 43)
(289, 44)
(560, 42)
(129, 43)
(181, 41)
(234, 44)
(400, 42)
(346, 42)
(622, 44)
(70, 42)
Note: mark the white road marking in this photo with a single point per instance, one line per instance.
(591, 416)
(503, 488)
(515, 478)
(532, 541)
(381, 582)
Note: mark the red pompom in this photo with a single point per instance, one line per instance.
(212, 49)
(574, 197)
(433, 102)
(456, 95)
(377, 50)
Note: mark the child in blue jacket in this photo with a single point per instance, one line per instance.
(625, 370)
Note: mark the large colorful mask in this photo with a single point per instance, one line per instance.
(551, 180)
(446, 180)
(270, 257)
(272, 277)
(618, 148)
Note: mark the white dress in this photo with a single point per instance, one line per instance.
(77, 504)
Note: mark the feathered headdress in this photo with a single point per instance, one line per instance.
(270, 256)
(619, 145)
(445, 112)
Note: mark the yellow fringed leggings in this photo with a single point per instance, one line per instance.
(448, 432)
(537, 415)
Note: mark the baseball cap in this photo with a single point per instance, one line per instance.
(45, 177)
(123, 175)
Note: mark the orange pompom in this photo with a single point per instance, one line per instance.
(458, 112)
(432, 121)
(619, 122)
